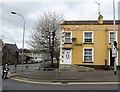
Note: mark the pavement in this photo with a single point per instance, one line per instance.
(91, 77)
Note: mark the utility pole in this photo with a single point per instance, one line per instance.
(114, 48)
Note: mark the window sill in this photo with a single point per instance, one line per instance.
(88, 43)
(88, 62)
(67, 43)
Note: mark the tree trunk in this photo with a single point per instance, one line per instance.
(57, 58)
(52, 59)
(51, 51)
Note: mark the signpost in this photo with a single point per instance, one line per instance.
(114, 55)
(114, 50)
(114, 44)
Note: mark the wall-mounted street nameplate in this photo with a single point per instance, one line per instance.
(77, 44)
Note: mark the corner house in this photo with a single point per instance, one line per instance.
(88, 42)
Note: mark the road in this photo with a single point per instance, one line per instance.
(9, 84)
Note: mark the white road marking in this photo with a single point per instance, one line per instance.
(69, 83)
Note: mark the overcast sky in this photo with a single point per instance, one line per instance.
(11, 26)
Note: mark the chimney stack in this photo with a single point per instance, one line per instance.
(100, 19)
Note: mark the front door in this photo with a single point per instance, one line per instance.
(67, 56)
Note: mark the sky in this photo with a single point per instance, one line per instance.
(11, 26)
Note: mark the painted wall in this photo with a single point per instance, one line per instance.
(101, 42)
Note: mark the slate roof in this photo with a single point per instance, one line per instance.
(89, 22)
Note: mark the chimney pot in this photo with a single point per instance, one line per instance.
(100, 19)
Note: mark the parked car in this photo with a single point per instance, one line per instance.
(36, 60)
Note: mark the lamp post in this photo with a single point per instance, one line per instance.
(98, 8)
(23, 35)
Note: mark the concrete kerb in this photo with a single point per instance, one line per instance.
(68, 83)
(56, 82)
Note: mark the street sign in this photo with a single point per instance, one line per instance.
(114, 51)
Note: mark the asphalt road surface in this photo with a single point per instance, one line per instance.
(9, 84)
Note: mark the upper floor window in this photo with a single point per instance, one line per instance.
(68, 37)
(111, 36)
(88, 37)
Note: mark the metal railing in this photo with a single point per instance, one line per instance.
(43, 73)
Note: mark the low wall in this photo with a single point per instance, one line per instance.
(67, 67)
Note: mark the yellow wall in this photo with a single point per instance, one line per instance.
(101, 43)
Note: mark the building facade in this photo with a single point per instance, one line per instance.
(32, 56)
(10, 54)
(1, 47)
(88, 42)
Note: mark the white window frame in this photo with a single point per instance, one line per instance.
(70, 36)
(92, 54)
(84, 36)
(109, 36)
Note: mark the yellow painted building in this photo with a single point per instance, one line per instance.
(88, 42)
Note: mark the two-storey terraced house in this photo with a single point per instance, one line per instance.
(88, 42)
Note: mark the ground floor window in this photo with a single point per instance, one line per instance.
(88, 54)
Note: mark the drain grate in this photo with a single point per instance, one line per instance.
(64, 82)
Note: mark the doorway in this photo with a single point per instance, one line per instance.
(67, 56)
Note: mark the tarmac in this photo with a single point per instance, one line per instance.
(92, 77)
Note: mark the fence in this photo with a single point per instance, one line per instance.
(43, 73)
(34, 72)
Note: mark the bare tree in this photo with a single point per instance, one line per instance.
(46, 35)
